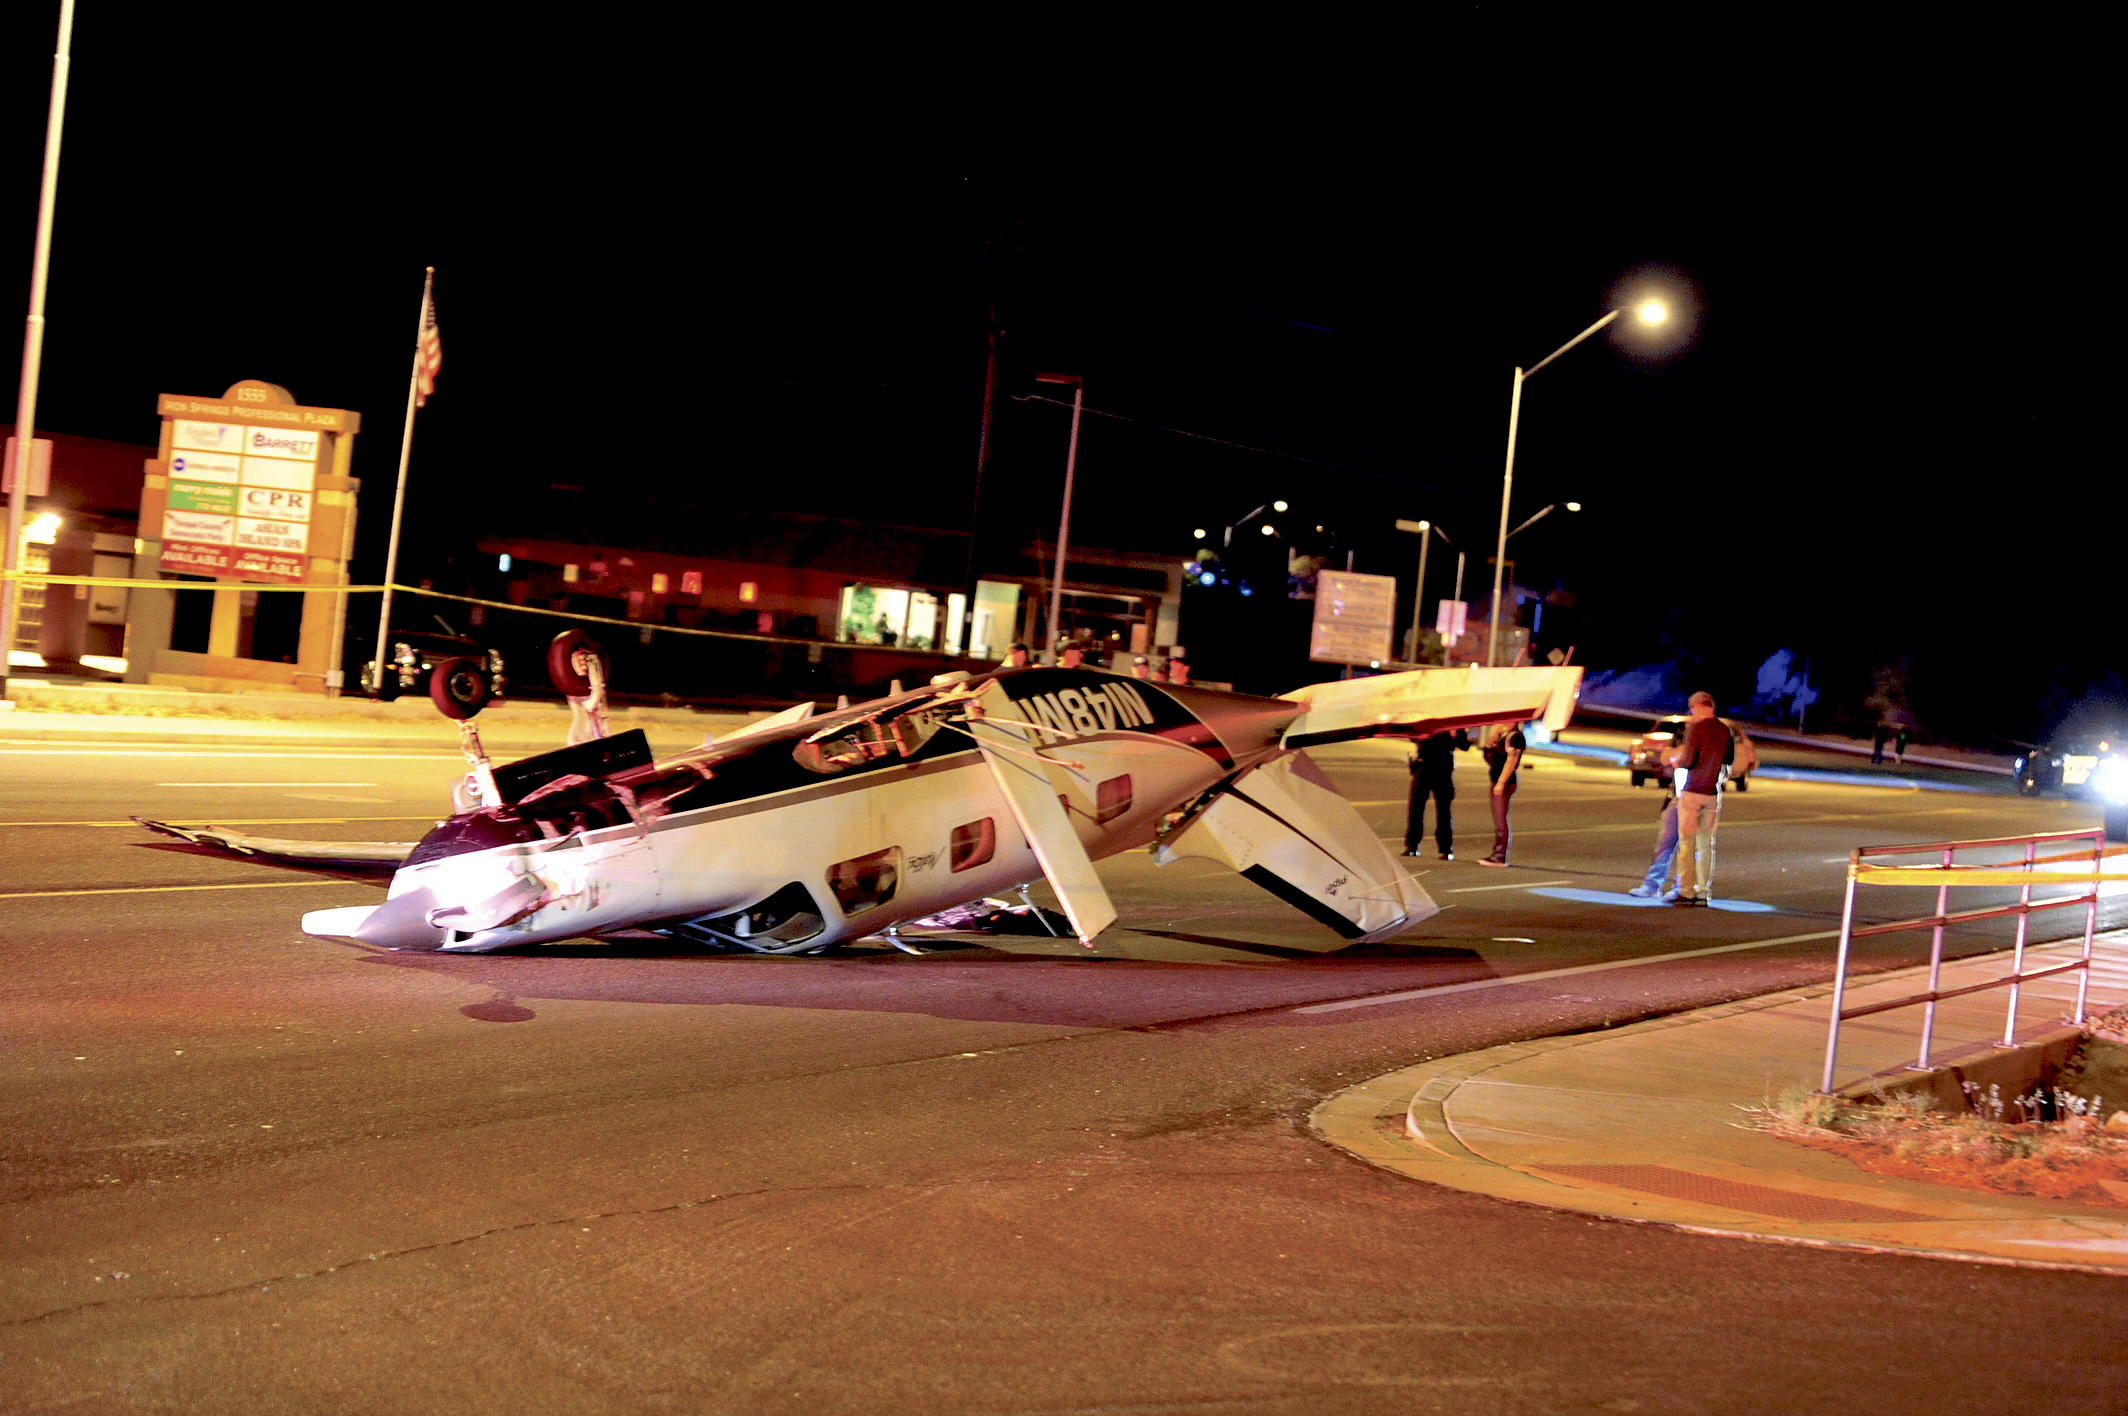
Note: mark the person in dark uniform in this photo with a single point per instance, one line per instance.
(1504, 746)
(1433, 775)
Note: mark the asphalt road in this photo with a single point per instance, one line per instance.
(246, 1170)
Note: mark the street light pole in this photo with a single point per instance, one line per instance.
(1071, 463)
(1507, 478)
(33, 343)
(1418, 588)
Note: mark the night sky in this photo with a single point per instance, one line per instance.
(724, 271)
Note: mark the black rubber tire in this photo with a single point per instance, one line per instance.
(1638, 777)
(2028, 786)
(1742, 784)
(460, 688)
(561, 668)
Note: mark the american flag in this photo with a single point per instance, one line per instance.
(428, 350)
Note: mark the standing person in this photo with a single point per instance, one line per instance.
(1071, 656)
(1662, 864)
(1876, 746)
(1504, 746)
(1699, 800)
(1433, 775)
(1899, 745)
(1178, 668)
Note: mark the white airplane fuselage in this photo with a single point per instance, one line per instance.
(803, 832)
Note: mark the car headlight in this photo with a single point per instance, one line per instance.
(2111, 779)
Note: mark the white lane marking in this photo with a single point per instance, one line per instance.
(1538, 975)
(167, 889)
(1479, 889)
(265, 784)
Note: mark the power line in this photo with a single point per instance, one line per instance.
(1223, 442)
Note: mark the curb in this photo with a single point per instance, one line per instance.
(1400, 1122)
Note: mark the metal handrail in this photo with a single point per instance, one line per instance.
(2024, 909)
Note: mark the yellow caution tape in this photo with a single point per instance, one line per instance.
(1979, 875)
(30, 577)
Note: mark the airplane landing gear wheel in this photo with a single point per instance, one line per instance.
(459, 688)
(568, 663)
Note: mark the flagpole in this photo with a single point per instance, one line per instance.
(406, 451)
(33, 345)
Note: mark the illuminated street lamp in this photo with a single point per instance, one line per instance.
(1570, 506)
(1648, 312)
(1277, 506)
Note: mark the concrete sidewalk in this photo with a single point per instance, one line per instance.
(1646, 1122)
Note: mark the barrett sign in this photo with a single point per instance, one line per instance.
(243, 481)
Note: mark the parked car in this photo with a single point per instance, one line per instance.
(2069, 764)
(412, 656)
(1645, 761)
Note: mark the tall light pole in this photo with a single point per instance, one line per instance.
(1071, 463)
(1652, 312)
(33, 342)
(1418, 588)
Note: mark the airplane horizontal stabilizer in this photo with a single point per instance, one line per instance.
(1023, 776)
(1286, 828)
(1425, 701)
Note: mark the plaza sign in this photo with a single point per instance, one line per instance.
(1355, 615)
(242, 486)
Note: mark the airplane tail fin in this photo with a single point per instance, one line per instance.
(1285, 827)
(1424, 701)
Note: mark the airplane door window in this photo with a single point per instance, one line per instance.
(865, 882)
(974, 844)
(1112, 798)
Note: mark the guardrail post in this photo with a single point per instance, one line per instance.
(2083, 979)
(1928, 1014)
(1839, 972)
(2017, 964)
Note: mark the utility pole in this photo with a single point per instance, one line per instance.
(982, 452)
(33, 343)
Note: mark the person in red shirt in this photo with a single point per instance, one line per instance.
(1699, 757)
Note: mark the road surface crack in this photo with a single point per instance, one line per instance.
(440, 1246)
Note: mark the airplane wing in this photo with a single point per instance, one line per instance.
(1023, 776)
(1285, 827)
(274, 851)
(1424, 701)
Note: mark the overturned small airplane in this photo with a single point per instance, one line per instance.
(807, 830)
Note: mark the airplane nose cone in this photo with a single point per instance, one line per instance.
(399, 923)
